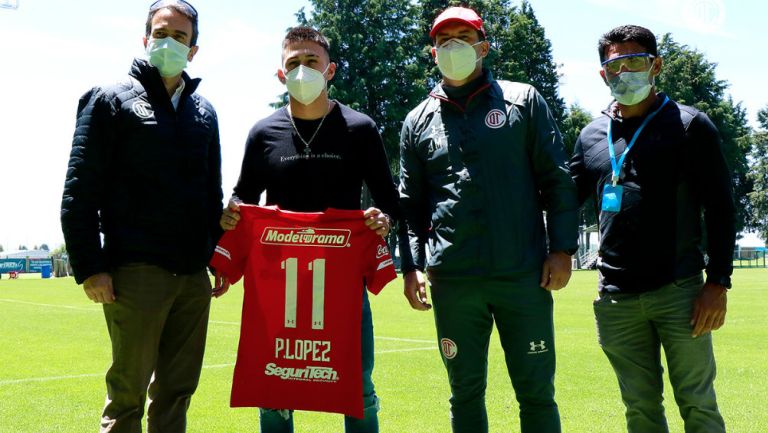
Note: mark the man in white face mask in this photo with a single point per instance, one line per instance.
(480, 160)
(145, 171)
(655, 166)
(311, 155)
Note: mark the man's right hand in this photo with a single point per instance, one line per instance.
(231, 215)
(99, 289)
(416, 290)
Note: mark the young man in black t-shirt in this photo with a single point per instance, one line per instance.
(310, 155)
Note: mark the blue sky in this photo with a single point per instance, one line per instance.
(53, 51)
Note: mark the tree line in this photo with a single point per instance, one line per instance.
(23, 247)
(382, 50)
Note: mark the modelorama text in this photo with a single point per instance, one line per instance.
(307, 236)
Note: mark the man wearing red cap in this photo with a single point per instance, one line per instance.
(480, 160)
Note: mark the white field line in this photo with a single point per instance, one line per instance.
(217, 322)
(81, 376)
(47, 379)
(415, 349)
(406, 340)
(69, 307)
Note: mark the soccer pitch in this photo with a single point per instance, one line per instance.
(55, 352)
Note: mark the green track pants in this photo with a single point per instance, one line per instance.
(465, 312)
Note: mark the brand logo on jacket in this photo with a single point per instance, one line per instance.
(438, 138)
(495, 118)
(143, 109)
(309, 236)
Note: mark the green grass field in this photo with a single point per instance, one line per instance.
(55, 351)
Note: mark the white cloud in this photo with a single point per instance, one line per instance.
(55, 62)
(698, 16)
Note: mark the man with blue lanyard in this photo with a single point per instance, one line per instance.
(656, 166)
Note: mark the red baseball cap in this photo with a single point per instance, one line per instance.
(457, 14)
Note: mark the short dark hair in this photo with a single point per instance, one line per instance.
(305, 33)
(180, 6)
(628, 33)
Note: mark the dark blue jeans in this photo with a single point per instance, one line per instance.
(632, 328)
(281, 421)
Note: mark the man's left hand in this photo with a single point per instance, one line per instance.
(556, 271)
(377, 220)
(709, 309)
(220, 284)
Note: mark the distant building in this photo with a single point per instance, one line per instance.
(23, 254)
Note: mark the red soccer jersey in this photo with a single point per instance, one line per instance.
(300, 331)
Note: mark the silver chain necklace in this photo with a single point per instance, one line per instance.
(307, 148)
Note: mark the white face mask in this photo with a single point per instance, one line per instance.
(456, 59)
(168, 55)
(631, 88)
(305, 84)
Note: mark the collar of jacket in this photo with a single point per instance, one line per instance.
(439, 93)
(150, 78)
(612, 110)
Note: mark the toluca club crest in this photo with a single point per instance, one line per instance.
(143, 109)
(495, 118)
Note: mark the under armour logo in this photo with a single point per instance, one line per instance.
(539, 347)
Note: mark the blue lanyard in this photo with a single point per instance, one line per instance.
(616, 165)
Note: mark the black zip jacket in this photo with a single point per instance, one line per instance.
(145, 175)
(674, 174)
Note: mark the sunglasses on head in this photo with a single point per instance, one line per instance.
(162, 3)
(632, 62)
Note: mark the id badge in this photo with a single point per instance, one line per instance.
(612, 198)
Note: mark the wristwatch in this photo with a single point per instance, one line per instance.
(721, 281)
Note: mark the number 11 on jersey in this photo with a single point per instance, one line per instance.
(317, 267)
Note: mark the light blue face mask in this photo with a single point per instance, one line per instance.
(630, 88)
(168, 55)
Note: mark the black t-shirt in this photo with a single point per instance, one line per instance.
(346, 152)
